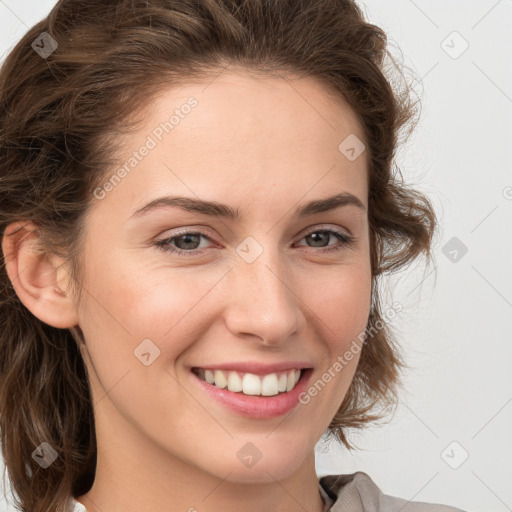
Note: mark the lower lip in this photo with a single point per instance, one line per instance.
(256, 406)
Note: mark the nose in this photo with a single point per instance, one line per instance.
(264, 302)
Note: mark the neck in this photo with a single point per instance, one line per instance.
(133, 473)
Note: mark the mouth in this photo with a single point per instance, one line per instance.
(246, 383)
(257, 396)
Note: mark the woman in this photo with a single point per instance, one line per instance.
(197, 203)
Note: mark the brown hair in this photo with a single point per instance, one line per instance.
(60, 120)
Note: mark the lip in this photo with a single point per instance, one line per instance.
(257, 368)
(253, 406)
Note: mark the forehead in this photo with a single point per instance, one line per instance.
(247, 136)
(238, 99)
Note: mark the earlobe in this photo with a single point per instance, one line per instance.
(40, 280)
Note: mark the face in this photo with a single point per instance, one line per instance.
(177, 289)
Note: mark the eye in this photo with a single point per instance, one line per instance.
(188, 242)
(322, 236)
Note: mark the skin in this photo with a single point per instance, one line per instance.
(265, 146)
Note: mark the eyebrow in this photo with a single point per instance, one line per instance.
(215, 209)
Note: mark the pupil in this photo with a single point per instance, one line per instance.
(195, 240)
(319, 234)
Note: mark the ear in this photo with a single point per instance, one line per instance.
(41, 281)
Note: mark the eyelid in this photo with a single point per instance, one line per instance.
(198, 229)
(320, 227)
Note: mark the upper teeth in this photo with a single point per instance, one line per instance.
(251, 384)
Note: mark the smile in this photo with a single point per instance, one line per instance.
(249, 383)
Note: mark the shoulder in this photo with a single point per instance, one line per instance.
(357, 492)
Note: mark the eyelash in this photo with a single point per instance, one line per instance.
(163, 245)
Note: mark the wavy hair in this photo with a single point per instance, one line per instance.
(61, 117)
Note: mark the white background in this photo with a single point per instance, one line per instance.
(456, 326)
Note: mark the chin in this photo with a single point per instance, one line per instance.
(265, 465)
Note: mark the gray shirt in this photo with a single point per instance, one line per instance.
(357, 492)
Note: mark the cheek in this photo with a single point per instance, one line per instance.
(171, 307)
(341, 302)
(133, 317)
(170, 304)
(343, 308)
